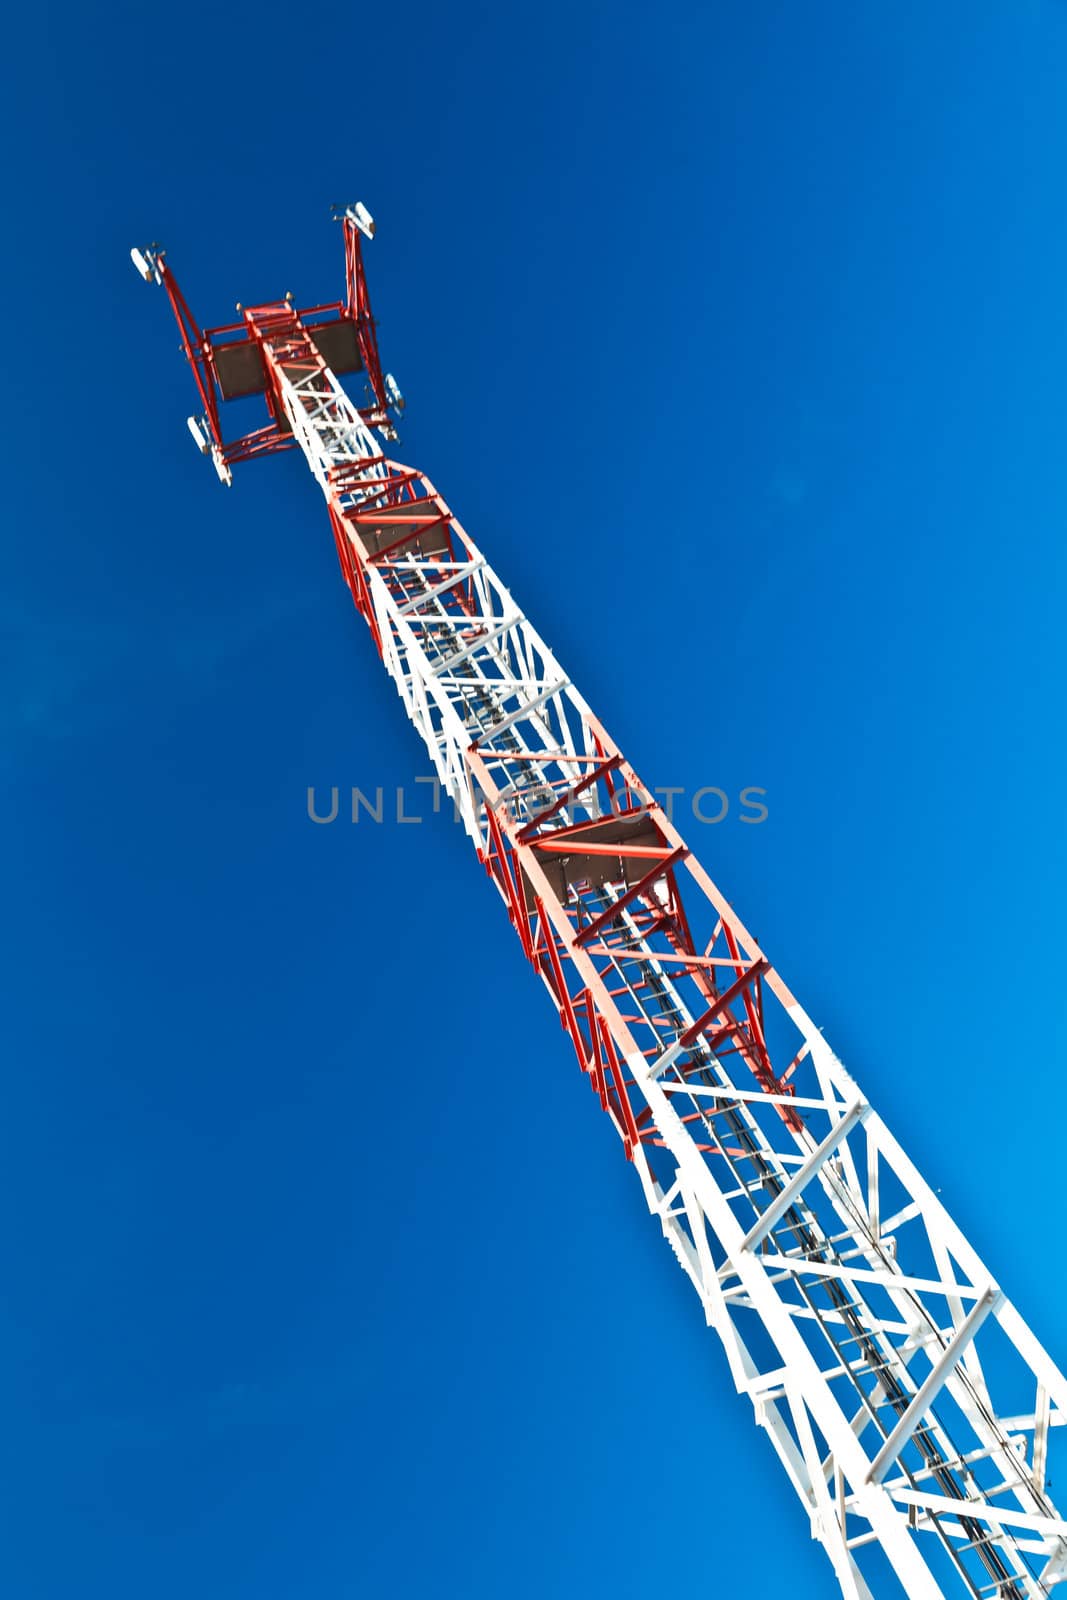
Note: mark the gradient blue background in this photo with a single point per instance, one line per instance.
(737, 336)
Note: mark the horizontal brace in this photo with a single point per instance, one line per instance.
(759, 1096)
(906, 1213)
(466, 571)
(757, 1386)
(564, 757)
(1053, 1527)
(738, 1299)
(886, 1278)
(1028, 1423)
(420, 564)
(626, 952)
(576, 848)
(389, 516)
(508, 685)
(453, 622)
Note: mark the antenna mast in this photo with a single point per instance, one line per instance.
(909, 1404)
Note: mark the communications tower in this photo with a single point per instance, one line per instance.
(907, 1401)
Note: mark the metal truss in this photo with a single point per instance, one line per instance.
(908, 1402)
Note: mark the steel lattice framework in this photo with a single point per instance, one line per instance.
(907, 1400)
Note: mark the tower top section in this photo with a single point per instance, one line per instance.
(228, 361)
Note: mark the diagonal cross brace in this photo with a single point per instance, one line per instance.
(793, 1189)
(933, 1383)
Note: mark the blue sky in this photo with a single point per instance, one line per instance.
(736, 337)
